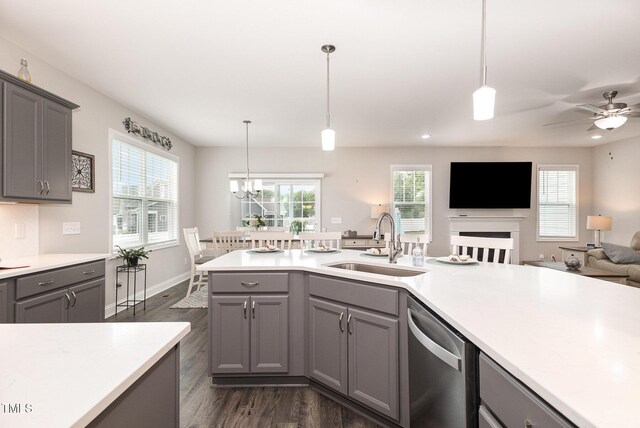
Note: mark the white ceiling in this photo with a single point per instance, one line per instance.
(401, 68)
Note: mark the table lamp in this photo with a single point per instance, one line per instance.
(598, 223)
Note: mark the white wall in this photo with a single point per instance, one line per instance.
(18, 214)
(91, 123)
(616, 168)
(356, 178)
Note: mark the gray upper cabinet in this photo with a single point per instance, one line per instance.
(269, 334)
(36, 143)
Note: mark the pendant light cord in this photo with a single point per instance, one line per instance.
(328, 114)
(247, 122)
(483, 53)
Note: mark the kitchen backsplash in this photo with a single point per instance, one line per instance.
(18, 230)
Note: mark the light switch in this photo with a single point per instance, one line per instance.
(19, 230)
(71, 228)
(336, 220)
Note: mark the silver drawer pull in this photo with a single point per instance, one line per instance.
(42, 284)
(89, 272)
(250, 284)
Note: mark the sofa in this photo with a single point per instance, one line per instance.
(598, 259)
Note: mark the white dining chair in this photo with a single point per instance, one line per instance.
(480, 248)
(409, 241)
(192, 239)
(230, 240)
(328, 239)
(281, 240)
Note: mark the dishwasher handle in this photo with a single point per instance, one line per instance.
(437, 350)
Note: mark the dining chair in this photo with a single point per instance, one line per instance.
(483, 249)
(328, 239)
(409, 241)
(192, 239)
(230, 240)
(281, 240)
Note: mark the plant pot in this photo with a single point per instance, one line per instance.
(132, 261)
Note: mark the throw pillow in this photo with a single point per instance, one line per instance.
(621, 254)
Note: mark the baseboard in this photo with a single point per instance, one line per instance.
(110, 309)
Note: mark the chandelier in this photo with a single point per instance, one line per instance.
(249, 190)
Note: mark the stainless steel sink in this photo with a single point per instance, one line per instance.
(380, 270)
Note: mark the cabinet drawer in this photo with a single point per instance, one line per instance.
(511, 402)
(30, 285)
(249, 282)
(350, 242)
(376, 243)
(353, 293)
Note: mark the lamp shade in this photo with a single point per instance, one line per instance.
(598, 222)
(376, 210)
(233, 186)
(611, 122)
(328, 140)
(484, 100)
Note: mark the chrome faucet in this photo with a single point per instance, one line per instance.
(395, 247)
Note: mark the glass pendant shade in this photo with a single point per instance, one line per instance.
(257, 184)
(611, 122)
(328, 140)
(484, 100)
(233, 186)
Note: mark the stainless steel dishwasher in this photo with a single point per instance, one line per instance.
(442, 373)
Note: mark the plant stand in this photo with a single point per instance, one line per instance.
(132, 271)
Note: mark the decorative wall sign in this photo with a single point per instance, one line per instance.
(134, 127)
(82, 172)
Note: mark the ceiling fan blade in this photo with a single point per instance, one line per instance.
(633, 114)
(634, 107)
(592, 108)
(592, 128)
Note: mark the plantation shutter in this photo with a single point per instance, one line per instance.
(557, 201)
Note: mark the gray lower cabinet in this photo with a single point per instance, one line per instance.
(355, 352)
(6, 300)
(249, 334)
(36, 143)
(80, 303)
(505, 402)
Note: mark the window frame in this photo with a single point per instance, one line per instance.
(429, 208)
(128, 139)
(558, 167)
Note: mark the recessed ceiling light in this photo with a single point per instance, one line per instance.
(426, 136)
(596, 137)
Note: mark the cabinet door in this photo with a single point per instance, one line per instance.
(56, 151)
(269, 334)
(6, 301)
(49, 308)
(22, 143)
(328, 344)
(373, 361)
(229, 329)
(87, 302)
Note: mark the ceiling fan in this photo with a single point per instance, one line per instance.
(608, 116)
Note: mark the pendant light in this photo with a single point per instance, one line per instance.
(485, 97)
(328, 135)
(249, 189)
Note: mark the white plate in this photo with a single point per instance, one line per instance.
(322, 250)
(374, 255)
(451, 262)
(259, 251)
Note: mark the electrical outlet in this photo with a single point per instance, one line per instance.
(186, 260)
(71, 228)
(19, 230)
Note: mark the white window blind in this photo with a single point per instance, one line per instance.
(411, 198)
(557, 202)
(144, 196)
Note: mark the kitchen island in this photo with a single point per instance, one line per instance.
(76, 375)
(570, 339)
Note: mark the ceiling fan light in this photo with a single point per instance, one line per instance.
(611, 122)
(484, 100)
(328, 140)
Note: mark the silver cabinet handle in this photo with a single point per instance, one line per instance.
(89, 272)
(349, 324)
(40, 186)
(43, 284)
(48, 187)
(68, 300)
(437, 350)
(528, 424)
(244, 308)
(340, 322)
(250, 284)
(75, 298)
(253, 309)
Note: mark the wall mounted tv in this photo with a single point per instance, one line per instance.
(490, 185)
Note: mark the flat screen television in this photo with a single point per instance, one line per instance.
(490, 185)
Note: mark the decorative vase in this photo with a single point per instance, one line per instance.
(23, 73)
(572, 263)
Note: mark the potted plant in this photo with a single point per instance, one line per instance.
(131, 256)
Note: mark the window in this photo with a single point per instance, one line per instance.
(557, 202)
(285, 203)
(411, 198)
(144, 195)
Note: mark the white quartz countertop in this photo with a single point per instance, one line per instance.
(573, 340)
(10, 267)
(67, 374)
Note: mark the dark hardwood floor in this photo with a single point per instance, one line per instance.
(202, 405)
